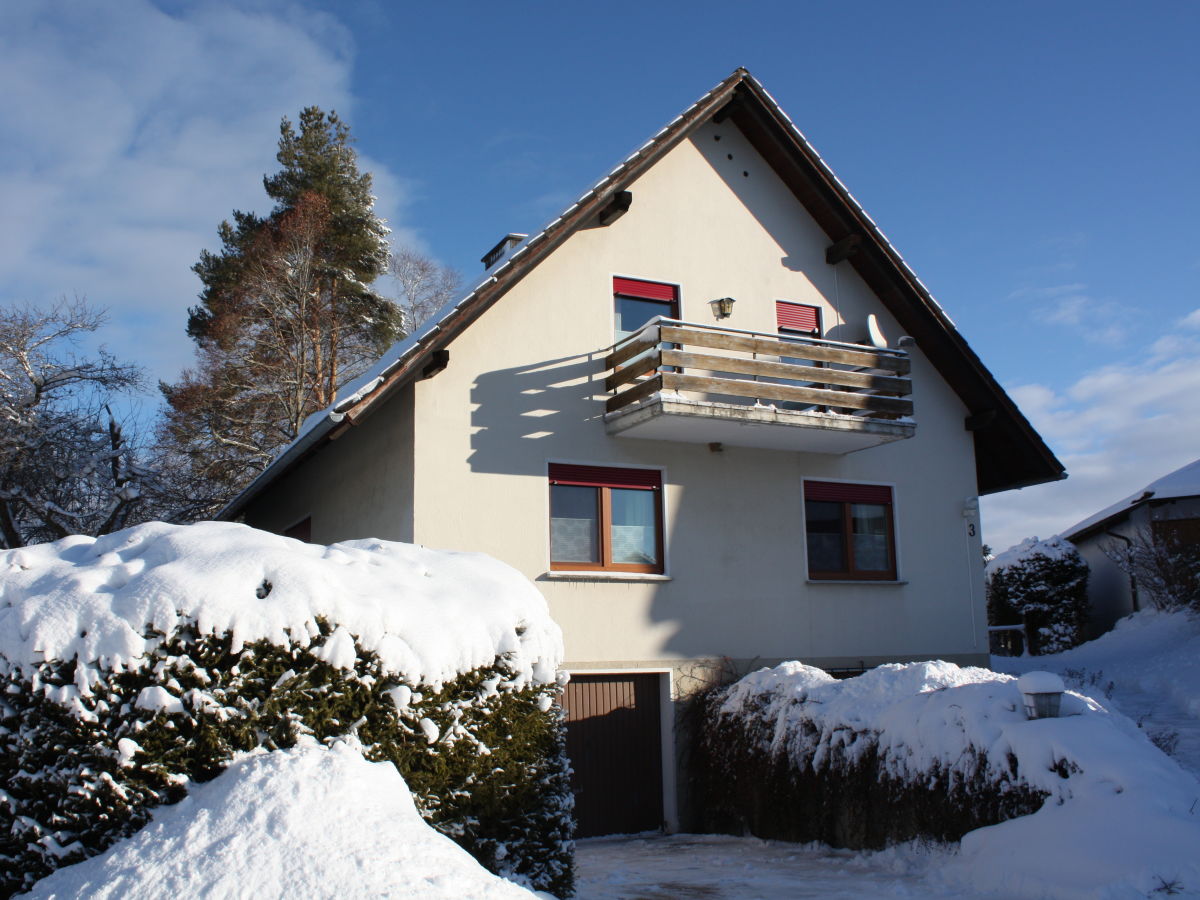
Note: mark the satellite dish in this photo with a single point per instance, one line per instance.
(875, 333)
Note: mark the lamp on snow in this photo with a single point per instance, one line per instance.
(722, 308)
(1042, 694)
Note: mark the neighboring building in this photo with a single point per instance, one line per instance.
(795, 480)
(1164, 510)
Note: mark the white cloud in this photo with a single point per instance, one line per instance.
(128, 133)
(1071, 306)
(1116, 428)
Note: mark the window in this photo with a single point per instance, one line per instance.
(850, 531)
(605, 519)
(797, 320)
(637, 302)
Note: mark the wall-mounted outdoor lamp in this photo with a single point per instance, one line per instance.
(722, 308)
(1042, 694)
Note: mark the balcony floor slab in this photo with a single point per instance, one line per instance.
(662, 417)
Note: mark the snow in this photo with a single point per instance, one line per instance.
(1040, 683)
(1054, 548)
(1183, 482)
(723, 867)
(429, 615)
(1119, 814)
(1147, 668)
(307, 822)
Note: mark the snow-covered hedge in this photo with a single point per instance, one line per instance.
(933, 750)
(144, 660)
(1043, 586)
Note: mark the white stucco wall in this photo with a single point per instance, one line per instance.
(1110, 590)
(357, 488)
(524, 387)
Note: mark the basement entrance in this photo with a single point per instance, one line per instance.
(614, 741)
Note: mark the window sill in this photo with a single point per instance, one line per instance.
(851, 581)
(593, 575)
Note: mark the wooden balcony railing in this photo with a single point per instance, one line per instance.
(746, 367)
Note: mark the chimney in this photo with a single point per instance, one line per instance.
(502, 249)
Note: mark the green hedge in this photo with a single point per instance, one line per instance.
(844, 800)
(483, 755)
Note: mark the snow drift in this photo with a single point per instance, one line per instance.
(1116, 813)
(307, 822)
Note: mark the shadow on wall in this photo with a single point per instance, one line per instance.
(775, 211)
(512, 409)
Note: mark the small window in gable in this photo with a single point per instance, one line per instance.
(850, 531)
(798, 319)
(607, 519)
(636, 302)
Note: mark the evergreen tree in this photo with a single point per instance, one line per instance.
(1041, 585)
(287, 314)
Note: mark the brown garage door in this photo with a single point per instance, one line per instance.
(615, 745)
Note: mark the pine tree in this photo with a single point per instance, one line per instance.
(287, 314)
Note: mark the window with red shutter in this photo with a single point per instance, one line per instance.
(606, 519)
(797, 318)
(636, 302)
(850, 531)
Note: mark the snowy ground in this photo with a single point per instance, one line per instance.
(1147, 668)
(719, 867)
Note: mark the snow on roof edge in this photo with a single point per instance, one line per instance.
(1182, 482)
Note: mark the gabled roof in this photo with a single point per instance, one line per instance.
(1008, 452)
(1183, 482)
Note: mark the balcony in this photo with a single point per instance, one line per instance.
(678, 381)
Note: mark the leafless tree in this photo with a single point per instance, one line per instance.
(1163, 565)
(423, 285)
(67, 465)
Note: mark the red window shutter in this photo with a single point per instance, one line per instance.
(847, 493)
(797, 317)
(645, 290)
(603, 476)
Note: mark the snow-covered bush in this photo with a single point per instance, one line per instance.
(1078, 806)
(790, 753)
(1041, 585)
(145, 660)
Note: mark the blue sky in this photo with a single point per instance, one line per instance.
(1036, 163)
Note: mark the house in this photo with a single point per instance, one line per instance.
(716, 418)
(1164, 512)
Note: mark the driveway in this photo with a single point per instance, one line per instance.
(719, 867)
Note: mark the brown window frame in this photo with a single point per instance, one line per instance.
(845, 495)
(595, 477)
